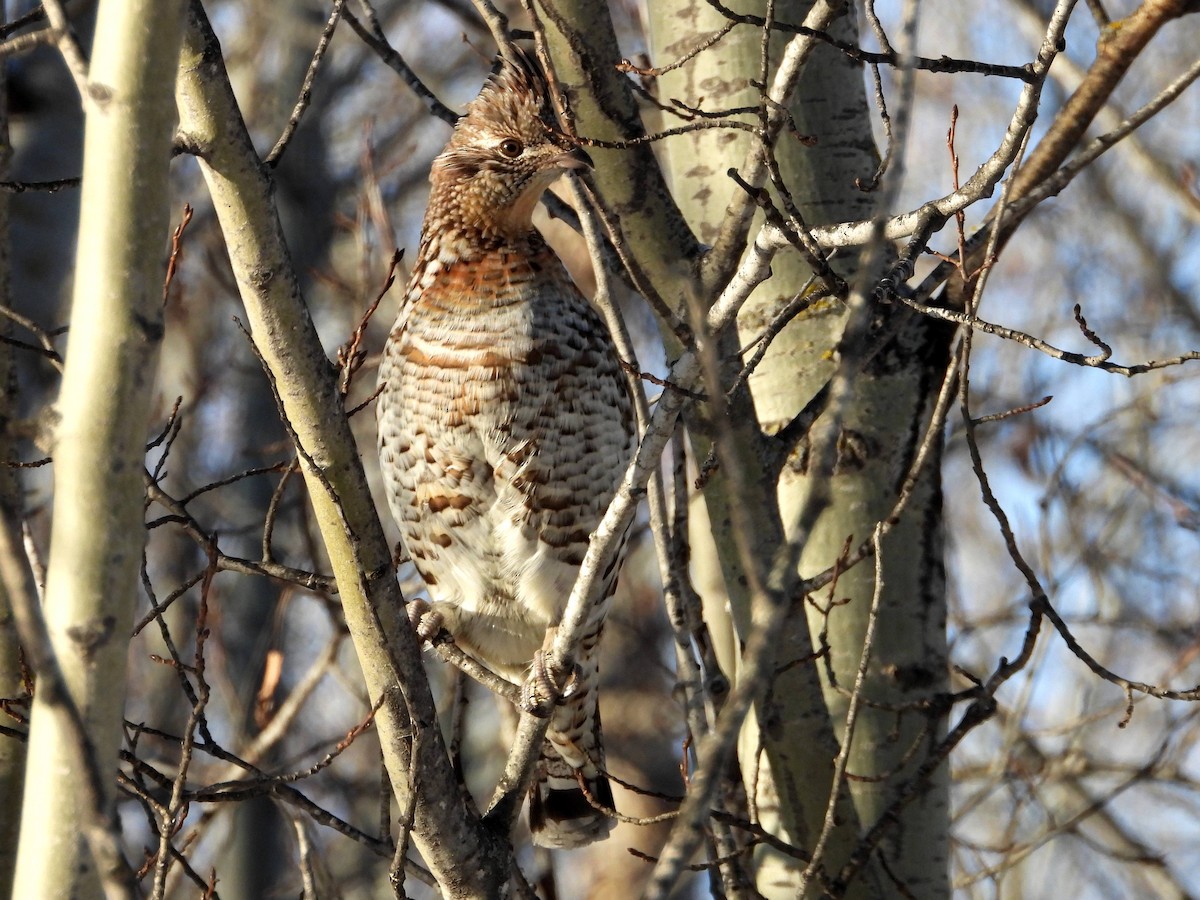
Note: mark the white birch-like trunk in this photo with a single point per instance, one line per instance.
(789, 735)
(115, 331)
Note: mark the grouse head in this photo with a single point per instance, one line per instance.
(505, 151)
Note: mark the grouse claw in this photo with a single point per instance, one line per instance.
(541, 691)
(425, 620)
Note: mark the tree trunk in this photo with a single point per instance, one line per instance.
(98, 535)
(466, 859)
(786, 762)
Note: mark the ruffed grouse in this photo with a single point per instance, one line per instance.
(505, 425)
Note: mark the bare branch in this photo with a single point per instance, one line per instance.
(310, 78)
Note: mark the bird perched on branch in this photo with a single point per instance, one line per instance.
(505, 426)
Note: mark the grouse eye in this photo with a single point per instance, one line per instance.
(511, 148)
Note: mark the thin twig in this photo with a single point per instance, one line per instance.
(1099, 361)
(68, 46)
(654, 71)
(842, 760)
(943, 64)
(176, 808)
(310, 77)
(375, 39)
(48, 187)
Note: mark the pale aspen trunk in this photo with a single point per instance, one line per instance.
(97, 534)
(788, 763)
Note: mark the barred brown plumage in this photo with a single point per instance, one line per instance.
(505, 424)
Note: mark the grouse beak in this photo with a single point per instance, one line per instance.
(574, 159)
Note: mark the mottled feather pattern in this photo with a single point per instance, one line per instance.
(505, 425)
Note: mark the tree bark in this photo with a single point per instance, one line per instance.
(788, 746)
(97, 533)
(467, 859)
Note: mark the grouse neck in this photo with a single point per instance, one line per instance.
(465, 211)
(452, 234)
